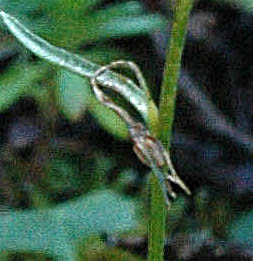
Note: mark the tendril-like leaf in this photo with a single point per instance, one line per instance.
(136, 96)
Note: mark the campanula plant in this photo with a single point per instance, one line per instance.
(144, 136)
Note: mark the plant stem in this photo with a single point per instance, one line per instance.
(167, 104)
(172, 69)
(156, 230)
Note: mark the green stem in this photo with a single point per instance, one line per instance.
(172, 69)
(167, 104)
(156, 230)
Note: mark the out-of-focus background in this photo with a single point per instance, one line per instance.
(66, 155)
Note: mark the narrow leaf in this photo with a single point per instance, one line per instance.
(120, 10)
(126, 26)
(76, 64)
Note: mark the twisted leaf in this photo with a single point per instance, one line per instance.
(75, 63)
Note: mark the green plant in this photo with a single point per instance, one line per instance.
(73, 25)
(139, 98)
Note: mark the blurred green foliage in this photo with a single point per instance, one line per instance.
(58, 170)
(240, 230)
(65, 169)
(56, 231)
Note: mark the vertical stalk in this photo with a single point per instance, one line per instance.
(166, 114)
(172, 69)
(157, 219)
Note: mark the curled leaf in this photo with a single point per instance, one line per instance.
(76, 64)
